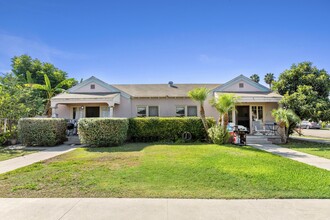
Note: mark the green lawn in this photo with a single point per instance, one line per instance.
(168, 171)
(6, 154)
(318, 149)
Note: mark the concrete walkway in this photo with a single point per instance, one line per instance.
(190, 209)
(309, 159)
(18, 162)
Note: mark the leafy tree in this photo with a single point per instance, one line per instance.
(23, 64)
(224, 104)
(269, 79)
(200, 95)
(287, 120)
(50, 91)
(255, 78)
(16, 101)
(306, 91)
(33, 71)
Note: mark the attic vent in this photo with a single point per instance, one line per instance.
(92, 86)
(241, 85)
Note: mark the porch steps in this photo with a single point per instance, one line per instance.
(262, 139)
(73, 140)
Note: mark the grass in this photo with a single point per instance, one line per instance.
(6, 154)
(317, 149)
(311, 137)
(167, 171)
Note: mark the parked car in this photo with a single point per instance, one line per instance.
(310, 125)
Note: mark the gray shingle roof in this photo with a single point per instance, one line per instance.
(161, 90)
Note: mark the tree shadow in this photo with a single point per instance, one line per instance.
(127, 147)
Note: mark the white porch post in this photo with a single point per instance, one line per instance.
(111, 111)
(54, 112)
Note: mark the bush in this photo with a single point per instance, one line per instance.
(101, 132)
(41, 131)
(219, 135)
(166, 129)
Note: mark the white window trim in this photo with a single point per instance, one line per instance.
(186, 110)
(263, 112)
(147, 110)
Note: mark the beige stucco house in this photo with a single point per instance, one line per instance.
(95, 98)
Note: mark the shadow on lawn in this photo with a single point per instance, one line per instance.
(135, 147)
(127, 147)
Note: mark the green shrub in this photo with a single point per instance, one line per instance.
(41, 131)
(166, 129)
(102, 132)
(4, 137)
(219, 135)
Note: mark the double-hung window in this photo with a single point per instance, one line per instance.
(182, 111)
(142, 111)
(147, 111)
(192, 111)
(257, 113)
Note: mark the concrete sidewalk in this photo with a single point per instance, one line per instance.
(309, 159)
(190, 209)
(18, 162)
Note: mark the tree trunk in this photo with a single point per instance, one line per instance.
(48, 110)
(202, 112)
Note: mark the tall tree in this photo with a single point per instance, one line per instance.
(255, 78)
(269, 79)
(50, 91)
(24, 63)
(33, 71)
(200, 95)
(16, 101)
(224, 104)
(305, 90)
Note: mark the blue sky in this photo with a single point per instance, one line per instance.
(157, 41)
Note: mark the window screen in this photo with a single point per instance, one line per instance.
(153, 111)
(192, 111)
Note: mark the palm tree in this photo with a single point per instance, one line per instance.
(224, 104)
(286, 120)
(49, 90)
(200, 95)
(269, 79)
(255, 78)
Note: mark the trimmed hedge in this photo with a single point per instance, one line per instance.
(166, 129)
(102, 132)
(41, 131)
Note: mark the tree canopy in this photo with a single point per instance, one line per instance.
(269, 79)
(200, 95)
(255, 78)
(17, 100)
(306, 91)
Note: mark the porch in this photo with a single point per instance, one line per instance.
(75, 106)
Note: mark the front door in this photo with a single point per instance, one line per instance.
(92, 112)
(243, 116)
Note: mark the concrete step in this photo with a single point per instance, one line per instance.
(257, 140)
(73, 140)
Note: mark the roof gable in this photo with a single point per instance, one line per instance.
(248, 86)
(93, 85)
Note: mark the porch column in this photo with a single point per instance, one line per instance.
(54, 112)
(110, 111)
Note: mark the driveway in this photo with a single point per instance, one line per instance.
(316, 133)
